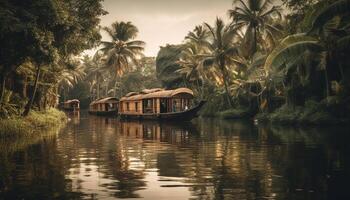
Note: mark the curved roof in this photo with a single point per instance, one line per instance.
(131, 94)
(105, 100)
(147, 91)
(72, 101)
(158, 93)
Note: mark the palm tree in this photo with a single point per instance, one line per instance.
(222, 48)
(122, 51)
(95, 74)
(191, 68)
(325, 44)
(68, 77)
(191, 56)
(199, 37)
(256, 18)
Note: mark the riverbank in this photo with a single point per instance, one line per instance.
(312, 113)
(35, 123)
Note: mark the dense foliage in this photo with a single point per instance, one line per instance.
(40, 40)
(275, 59)
(271, 59)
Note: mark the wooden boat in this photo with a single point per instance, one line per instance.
(159, 104)
(105, 107)
(71, 105)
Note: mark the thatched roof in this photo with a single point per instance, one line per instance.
(72, 101)
(156, 93)
(105, 100)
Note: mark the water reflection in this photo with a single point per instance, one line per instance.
(97, 158)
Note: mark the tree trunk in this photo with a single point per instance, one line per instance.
(2, 87)
(106, 90)
(30, 102)
(98, 91)
(115, 86)
(328, 88)
(25, 86)
(225, 77)
(254, 42)
(327, 82)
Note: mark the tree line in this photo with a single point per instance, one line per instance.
(40, 43)
(268, 56)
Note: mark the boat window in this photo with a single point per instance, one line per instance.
(148, 106)
(127, 106)
(136, 106)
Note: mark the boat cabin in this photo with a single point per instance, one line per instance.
(104, 105)
(72, 104)
(156, 101)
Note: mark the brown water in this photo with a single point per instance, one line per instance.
(102, 158)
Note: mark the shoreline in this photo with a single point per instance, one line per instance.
(299, 117)
(18, 132)
(36, 121)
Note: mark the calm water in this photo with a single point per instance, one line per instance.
(102, 158)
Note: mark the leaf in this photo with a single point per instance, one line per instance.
(337, 8)
(293, 52)
(285, 43)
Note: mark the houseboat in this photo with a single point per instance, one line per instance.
(158, 103)
(106, 106)
(71, 105)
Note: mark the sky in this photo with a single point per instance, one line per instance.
(162, 22)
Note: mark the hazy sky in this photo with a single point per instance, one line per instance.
(162, 22)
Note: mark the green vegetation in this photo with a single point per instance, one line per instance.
(236, 113)
(41, 41)
(33, 124)
(271, 61)
(117, 68)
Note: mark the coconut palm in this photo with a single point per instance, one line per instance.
(256, 18)
(95, 74)
(67, 78)
(199, 37)
(190, 63)
(122, 50)
(222, 48)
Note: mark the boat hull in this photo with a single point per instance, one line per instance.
(178, 116)
(104, 113)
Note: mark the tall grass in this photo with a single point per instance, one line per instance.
(34, 123)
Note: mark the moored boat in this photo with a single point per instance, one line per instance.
(159, 104)
(105, 107)
(71, 105)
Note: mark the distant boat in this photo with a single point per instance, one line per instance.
(159, 104)
(106, 107)
(72, 105)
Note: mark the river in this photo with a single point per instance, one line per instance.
(103, 158)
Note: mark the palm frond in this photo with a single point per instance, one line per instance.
(338, 8)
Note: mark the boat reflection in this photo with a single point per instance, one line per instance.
(104, 158)
(178, 133)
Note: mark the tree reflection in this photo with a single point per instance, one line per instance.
(96, 157)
